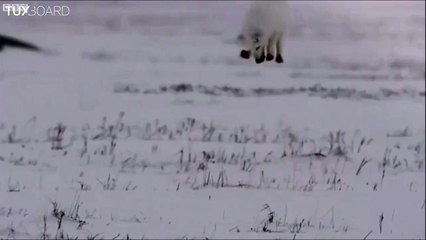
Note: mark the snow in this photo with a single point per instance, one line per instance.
(327, 158)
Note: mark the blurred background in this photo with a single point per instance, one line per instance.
(337, 34)
(153, 101)
(350, 44)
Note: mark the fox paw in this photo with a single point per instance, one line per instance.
(279, 59)
(269, 57)
(261, 59)
(245, 54)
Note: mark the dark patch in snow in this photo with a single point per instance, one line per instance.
(101, 56)
(125, 88)
(316, 90)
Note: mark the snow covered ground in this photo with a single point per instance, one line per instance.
(145, 123)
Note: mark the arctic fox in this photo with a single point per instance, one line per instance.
(265, 25)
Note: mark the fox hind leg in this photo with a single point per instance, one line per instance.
(279, 57)
(272, 46)
(260, 58)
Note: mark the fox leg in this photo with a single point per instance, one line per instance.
(279, 57)
(259, 54)
(245, 52)
(272, 46)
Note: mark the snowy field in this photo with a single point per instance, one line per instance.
(143, 122)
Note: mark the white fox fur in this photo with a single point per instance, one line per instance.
(265, 25)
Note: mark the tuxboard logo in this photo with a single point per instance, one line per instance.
(23, 9)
